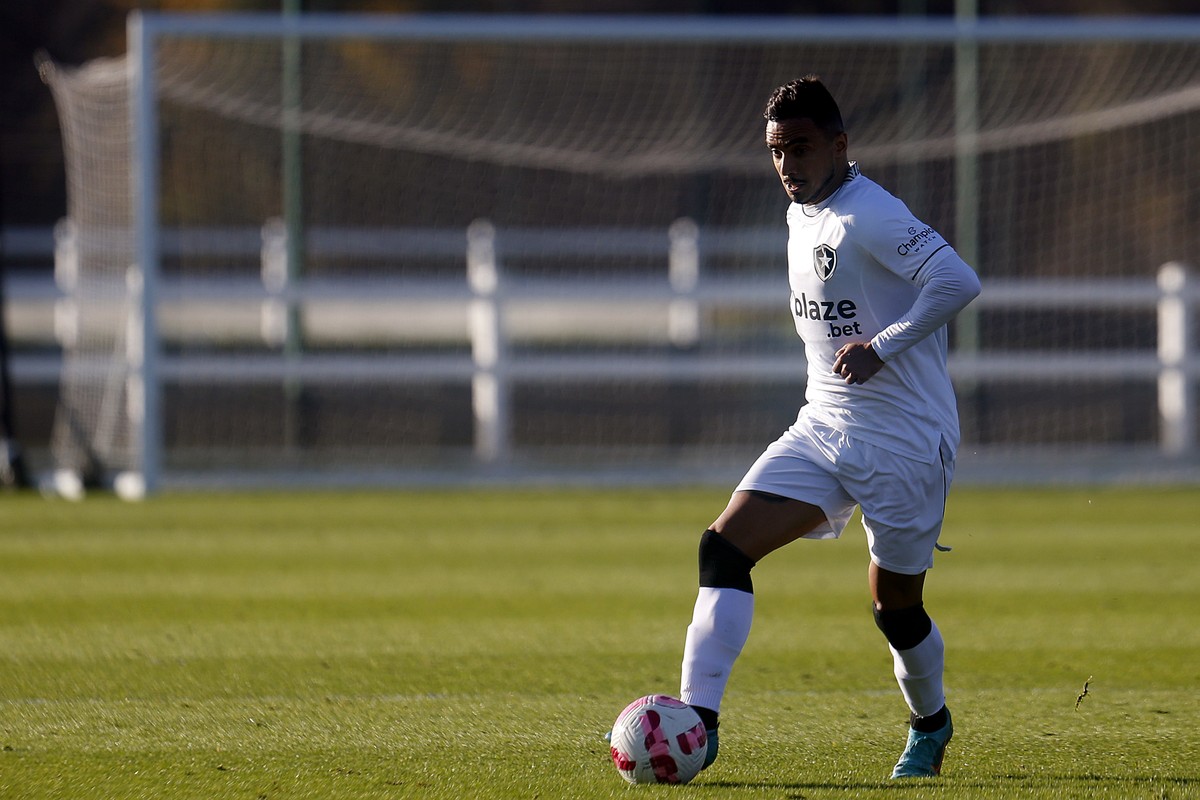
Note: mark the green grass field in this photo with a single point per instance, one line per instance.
(477, 644)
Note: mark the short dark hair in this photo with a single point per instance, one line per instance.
(805, 98)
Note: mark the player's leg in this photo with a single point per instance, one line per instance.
(752, 525)
(918, 652)
(786, 494)
(902, 513)
(918, 658)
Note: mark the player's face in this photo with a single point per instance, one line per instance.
(811, 164)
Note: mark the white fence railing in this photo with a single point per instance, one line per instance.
(487, 308)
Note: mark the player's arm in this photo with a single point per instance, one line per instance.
(947, 286)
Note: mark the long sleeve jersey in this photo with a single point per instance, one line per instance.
(862, 268)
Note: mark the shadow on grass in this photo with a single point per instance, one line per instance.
(998, 784)
(811, 786)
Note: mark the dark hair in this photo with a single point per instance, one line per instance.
(806, 98)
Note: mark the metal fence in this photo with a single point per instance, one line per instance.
(485, 308)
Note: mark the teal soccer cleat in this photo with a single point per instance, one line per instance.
(713, 744)
(922, 756)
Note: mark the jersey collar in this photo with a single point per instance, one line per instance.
(811, 210)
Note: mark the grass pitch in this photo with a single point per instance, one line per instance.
(477, 644)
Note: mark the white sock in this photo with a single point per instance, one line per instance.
(919, 673)
(720, 625)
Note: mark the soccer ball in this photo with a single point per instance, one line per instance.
(658, 739)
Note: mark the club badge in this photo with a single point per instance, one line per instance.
(824, 261)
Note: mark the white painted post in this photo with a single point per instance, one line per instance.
(683, 269)
(490, 390)
(147, 426)
(67, 482)
(1176, 389)
(131, 484)
(276, 276)
(66, 277)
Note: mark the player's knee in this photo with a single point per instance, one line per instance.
(723, 565)
(905, 628)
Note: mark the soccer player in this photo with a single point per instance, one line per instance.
(872, 289)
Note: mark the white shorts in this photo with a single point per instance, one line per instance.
(903, 500)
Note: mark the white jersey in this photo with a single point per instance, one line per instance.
(862, 268)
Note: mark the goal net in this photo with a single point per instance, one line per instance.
(453, 247)
(95, 267)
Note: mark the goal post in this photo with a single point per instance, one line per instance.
(624, 320)
(145, 391)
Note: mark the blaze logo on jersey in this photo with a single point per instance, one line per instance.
(824, 261)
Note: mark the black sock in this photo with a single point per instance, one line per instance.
(934, 722)
(710, 718)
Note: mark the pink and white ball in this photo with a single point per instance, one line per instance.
(658, 739)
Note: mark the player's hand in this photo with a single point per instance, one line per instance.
(857, 362)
